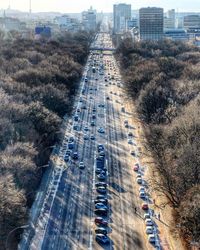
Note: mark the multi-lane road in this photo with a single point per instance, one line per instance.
(67, 217)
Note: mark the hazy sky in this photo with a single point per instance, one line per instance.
(100, 5)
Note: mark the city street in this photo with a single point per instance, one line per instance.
(67, 218)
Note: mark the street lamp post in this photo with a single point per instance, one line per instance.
(12, 231)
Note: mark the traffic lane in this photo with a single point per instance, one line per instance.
(120, 188)
(134, 195)
(86, 194)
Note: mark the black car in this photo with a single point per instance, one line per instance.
(104, 201)
(101, 196)
(102, 239)
(100, 184)
(101, 230)
(101, 211)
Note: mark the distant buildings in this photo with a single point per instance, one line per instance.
(67, 23)
(191, 21)
(89, 20)
(121, 16)
(42, 32)
(151, 23)
(177, 35)
(170, 20)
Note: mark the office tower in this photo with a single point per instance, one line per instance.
(170, 20)
(151, 23)
(191, 21)
(89, 19)
(121, 14)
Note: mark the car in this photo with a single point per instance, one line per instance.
(101, 184)
(75, 156)
(147, 216)
(122, 109)
(93, 116)
(141, 189)
(68, 152)
(139, 180)
(126, 126)
(139, 176)
(86, 80)
(100, 147)
(101, 221)
(136, 167)
(76, 118)
(101, 130)
(101, 211)
(94, 110)
(102, 153)
(86, 128)
(92, 137)
(145, 206)
(71, 139)
(148, 222)
(149, 230)
(66, 158)
(101, 176)
(102, 239)
(78, 110)
(142, 194)
(100, 205)
(101, 230)
(132, 152)
(70, 145)
(101, 196)
(107, 98)
(104, 201)
(76, 127)
(101, 190)
(81, 165)
(92, 123)
(130, 141)
(152, 238)
(99, 171)
(130, 134)
(85, 137)
(101, 105)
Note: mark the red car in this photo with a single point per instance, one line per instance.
(101, 221)
(136, 167)
(145, 206)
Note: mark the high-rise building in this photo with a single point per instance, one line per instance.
(121, 14)
(151, 23)
(170, 20)
(191, 21)
(89, 19)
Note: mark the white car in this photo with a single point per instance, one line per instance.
(148, 222)
(81, 165)
(142, 195)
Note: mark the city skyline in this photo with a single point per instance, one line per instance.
(105, 5)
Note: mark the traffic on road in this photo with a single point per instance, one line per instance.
(98, 197)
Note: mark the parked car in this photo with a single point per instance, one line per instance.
(101, 221)
(102, 239)
(101, 230)
(145, 206)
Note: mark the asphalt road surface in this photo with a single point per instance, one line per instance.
(67, 218)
